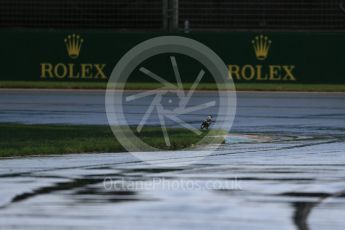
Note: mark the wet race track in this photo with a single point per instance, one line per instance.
(282, 168)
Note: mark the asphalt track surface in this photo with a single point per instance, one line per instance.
(288, 172)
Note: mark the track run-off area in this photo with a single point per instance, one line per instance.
(283, 167)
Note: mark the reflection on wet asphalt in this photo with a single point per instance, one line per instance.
(291, 175)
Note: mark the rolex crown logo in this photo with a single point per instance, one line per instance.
(261, 47)
(73, 45)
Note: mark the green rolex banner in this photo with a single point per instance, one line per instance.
(250, 57)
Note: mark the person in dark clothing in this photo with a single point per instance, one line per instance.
(206, 123)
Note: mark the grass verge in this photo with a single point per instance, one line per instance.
(202, 86)
(27, 140)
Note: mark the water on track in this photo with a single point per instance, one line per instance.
(283, 167)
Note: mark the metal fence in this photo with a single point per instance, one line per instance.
(93, 14)
(263, 14)
(174, 14)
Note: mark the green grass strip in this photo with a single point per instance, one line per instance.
(148, 86)
(27, 140)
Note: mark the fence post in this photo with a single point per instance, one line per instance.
(170, 11)
(165, 13)
(174, 19)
